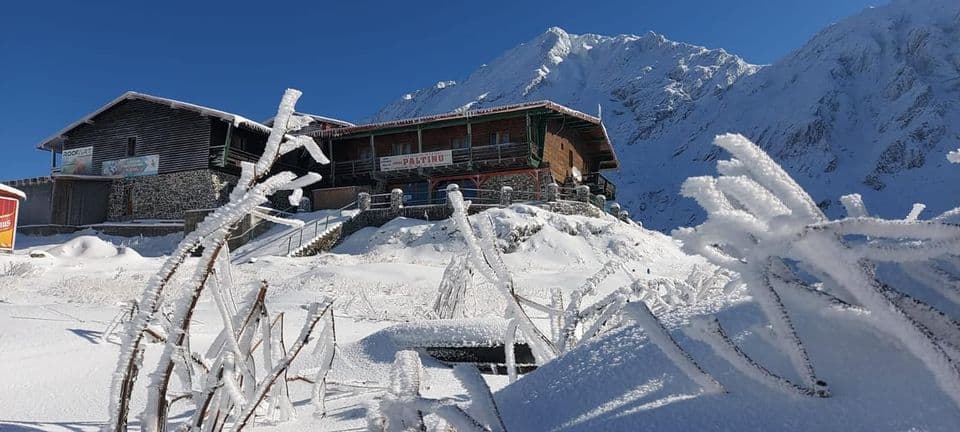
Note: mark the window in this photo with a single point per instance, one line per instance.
(570, 157)
(400, 148)
(365, 153)
(131, 146)
(500, 137)
(459, 143)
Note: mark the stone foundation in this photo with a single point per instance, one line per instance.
(168, 196)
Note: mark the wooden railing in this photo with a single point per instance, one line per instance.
(475, 154)
(600, 185)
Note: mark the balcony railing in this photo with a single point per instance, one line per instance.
(600, 185)
(496, 153)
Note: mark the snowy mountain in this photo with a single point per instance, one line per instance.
(868, 105)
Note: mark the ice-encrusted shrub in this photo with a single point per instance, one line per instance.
(765, 227)
(18, 269)
(572, 323)
(404, 408)
(223, 386)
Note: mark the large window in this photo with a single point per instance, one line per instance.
(459, 143)
(499, 137)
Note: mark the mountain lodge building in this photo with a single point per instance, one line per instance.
(524, 146)
(145, 157)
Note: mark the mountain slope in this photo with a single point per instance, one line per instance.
(868, 105)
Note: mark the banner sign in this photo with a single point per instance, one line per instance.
(77, 161)
(132, 167)
(9, 208)
(416, 160)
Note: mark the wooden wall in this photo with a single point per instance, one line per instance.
(560, 144)
(180, 137)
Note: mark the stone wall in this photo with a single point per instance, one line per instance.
(168, 196)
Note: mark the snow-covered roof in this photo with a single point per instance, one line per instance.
(9, 190)
(545, 104)
(55, 142)
(458, 114)
(316, 118)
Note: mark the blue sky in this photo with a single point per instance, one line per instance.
(61, 60)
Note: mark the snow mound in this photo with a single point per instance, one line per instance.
(621, 380)
(91, 247)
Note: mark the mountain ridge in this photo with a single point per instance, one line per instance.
(867, 105)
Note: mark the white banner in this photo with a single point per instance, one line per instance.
(77, 161)
(416, 160)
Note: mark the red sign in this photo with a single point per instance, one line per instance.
(9, 207)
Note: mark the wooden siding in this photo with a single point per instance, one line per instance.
(560, 143)
(180, 137)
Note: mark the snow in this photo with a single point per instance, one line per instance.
(91, 247)
(385, 280)
(10, 190)
(380, 276)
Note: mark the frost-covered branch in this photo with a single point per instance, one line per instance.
(255, 185)
(759, 219)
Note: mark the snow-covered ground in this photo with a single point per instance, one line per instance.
(55, 368)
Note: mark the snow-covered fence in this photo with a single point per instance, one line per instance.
(232, 356)
(760, 219)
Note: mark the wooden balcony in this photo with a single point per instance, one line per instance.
(488, 157)
(600, 185)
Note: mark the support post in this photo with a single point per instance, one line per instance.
(600, 201)
(226, 145)
(450, 188)
(583, 193)
(333, 164)
(553, 192)
(506, 196)
(396, 200)
(615, 209)
(470, 143)
(363, 201)
(419, 140)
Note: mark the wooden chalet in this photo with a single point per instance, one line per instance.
(147, 157)
(524, 146)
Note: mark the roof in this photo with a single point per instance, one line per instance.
(9, 190)
(55, 141)
(601, 130)
(316, 118)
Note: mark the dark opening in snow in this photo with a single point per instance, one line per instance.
(489, 359)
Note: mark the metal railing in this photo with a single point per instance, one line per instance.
(315, 227)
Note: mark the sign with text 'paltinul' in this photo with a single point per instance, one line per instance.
(416, 160)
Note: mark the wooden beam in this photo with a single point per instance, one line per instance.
(373, 149)
(226, 145)
(333, 164)
(419, 140)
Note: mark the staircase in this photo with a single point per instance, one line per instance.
(294, 241)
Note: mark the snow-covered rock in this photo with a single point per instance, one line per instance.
(868, 105)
